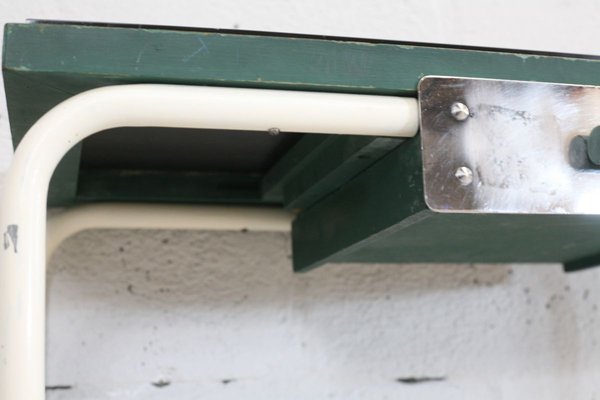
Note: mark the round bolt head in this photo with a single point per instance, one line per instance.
(464, 175)
(459, 111)
(274, 131)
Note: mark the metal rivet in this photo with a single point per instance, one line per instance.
(459, 111)
(274, 131)
(464, 175)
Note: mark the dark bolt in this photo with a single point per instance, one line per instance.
(593, 146)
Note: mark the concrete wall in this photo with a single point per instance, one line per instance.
(190, 315)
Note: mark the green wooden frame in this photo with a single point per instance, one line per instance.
(358, 199)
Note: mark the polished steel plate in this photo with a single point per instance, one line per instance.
(519, 150)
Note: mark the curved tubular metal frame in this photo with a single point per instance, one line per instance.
(23, 211)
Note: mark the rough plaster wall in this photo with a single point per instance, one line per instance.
(220, 315)
(189, 315)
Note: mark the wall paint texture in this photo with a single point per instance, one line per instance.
(190, 315)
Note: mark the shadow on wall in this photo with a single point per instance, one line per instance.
(212, 270)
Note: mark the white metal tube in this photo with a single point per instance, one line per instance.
(23, 211)
(67, 222)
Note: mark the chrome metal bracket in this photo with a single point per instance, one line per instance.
(496, 146)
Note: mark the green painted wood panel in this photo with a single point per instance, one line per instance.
(262, 61)
(324, 168)
(168, 186)
(381, 216)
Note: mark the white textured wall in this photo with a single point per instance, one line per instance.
(190, 315)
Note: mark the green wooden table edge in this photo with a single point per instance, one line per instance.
(45, 63)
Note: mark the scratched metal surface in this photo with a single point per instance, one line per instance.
(517, 141)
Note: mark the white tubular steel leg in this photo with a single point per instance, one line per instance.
(23, 206)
